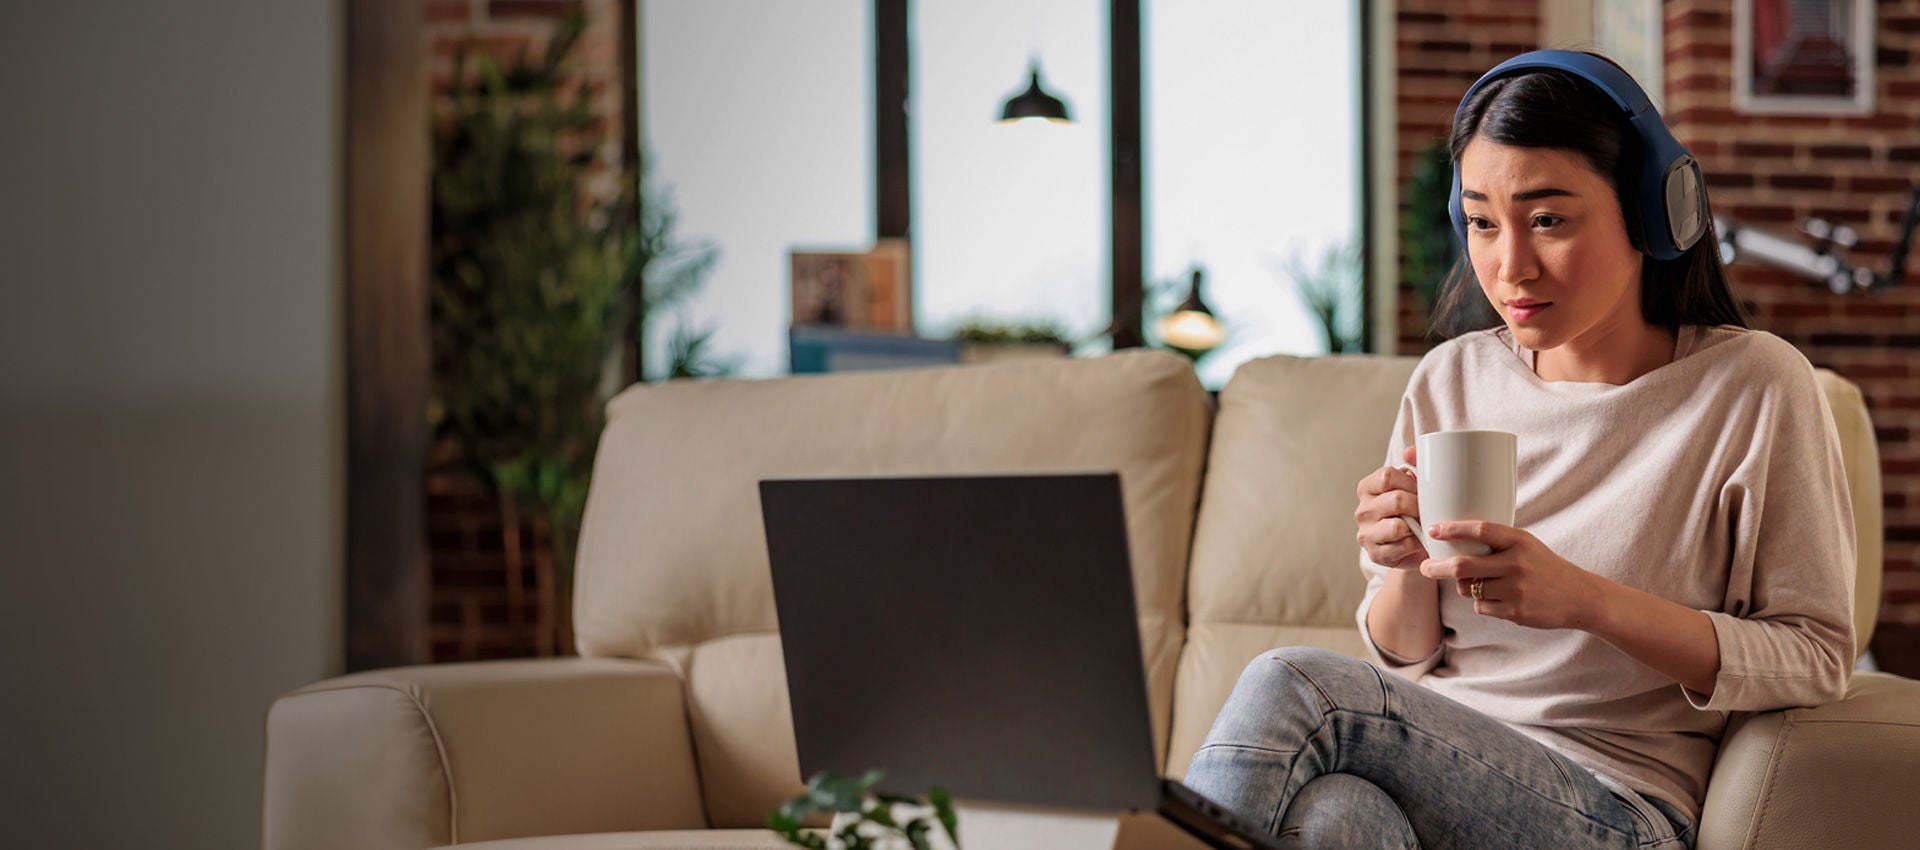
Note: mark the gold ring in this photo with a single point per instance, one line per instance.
(1477, 589)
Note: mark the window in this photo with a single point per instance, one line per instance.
(760, 118)
(1010, 221)
(1251, 129)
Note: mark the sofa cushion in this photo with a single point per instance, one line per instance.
(673, 556)
(1274, 560)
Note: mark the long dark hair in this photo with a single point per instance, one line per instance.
(1553, 109)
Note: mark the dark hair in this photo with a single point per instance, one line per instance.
(1554, 109)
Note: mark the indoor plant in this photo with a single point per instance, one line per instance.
(539, 284)
(866, 819)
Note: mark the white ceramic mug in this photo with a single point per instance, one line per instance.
(1464, 475)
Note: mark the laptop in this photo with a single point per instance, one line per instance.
(978, 633)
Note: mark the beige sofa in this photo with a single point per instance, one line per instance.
(672, 730)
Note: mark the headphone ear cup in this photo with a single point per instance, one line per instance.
(1686, 203)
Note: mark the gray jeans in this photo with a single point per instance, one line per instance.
(1326, 751)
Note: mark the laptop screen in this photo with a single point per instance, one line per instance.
(976, 633)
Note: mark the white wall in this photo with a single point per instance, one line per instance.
(171, 420)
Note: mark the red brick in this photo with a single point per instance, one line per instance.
(1699, 50)
(1903, 88)
(553, 9)
(1727, 180)
(1476, 19)
(1425, 46)
(1882, 121)
(1801, 311)
(1832, 340)
(1793, 121)
(1698, 19)
(1698, 83)
(1703, 115)
(1761, 149)
(1763, 213)
(1420, 17)
(1705, 147)
(1876, 310)
(1892, 57)
(1841, 152)
(1906, 24)
(1878, 184)
(1904, 153)
(1800, 181)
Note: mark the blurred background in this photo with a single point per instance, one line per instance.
(307, 309)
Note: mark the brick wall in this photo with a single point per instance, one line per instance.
(1774, 171)
(477, 609)
(1442, 46)
(1767, 171)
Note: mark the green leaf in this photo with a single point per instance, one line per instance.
(943, 808)
(783, 823)
(917, 835)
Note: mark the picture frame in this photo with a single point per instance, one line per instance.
(1803, 57)
(865, 290)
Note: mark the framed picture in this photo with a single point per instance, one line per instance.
(1803, 57)
(865, 290)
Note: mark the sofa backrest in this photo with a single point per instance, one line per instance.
(672, 562)
(1274, 558)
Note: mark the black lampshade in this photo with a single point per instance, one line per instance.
(1035, 102)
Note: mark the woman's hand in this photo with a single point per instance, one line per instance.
(1522, 581)
(1386, 495)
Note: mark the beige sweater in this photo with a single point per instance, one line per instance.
(1714, 481)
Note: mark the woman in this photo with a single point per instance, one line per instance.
(1683, 544)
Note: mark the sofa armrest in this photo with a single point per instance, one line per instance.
(418, 757)
(1841, 775)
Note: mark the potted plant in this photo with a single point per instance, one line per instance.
(982, 340)
(536, 286)
(866, 819)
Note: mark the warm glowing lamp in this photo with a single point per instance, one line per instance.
(1191, 329)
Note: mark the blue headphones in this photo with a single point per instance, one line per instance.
(1673, 212)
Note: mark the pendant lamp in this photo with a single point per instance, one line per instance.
(1192, 329)
(1035, 103)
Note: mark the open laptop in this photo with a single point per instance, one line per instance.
(976, 633)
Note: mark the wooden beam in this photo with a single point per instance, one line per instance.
(1128, 252)
(388, 169)
(893, 203)
(633, 322)
(1368, 185)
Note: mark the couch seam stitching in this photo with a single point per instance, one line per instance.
(439, 746)
(1773, 766)
(446, 771)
